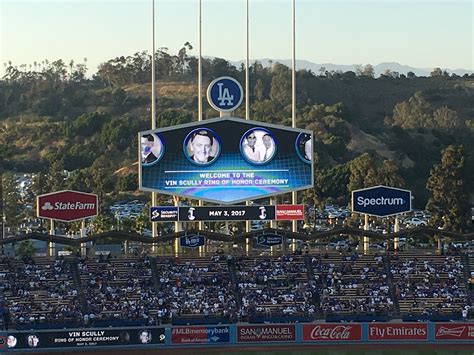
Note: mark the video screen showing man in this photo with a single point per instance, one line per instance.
(202, 146)
(152, 148)
(145, 336)
(304, 147)
(11, 341)
(33, 340)
(258, 146)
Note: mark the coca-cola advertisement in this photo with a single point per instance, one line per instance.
(332, 332)
(266, 333)
(454, 331)
(400, 331)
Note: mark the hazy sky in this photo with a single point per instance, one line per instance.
(419, 33)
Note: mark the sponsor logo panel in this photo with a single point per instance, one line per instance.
(200, 335)
(67, 205)
(290, 212)
(454, 331)
(266, 333)
(163, 214)
(332, 332)
(402, 331)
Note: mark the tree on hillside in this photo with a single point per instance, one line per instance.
(390, 175)
(363, 172)
(11, 200)
(412, 114)
(280, 91)
(448, 203)
(436, 72)
(366, 171)
(446, 119)
(366, 71)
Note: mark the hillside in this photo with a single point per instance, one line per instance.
(51, 121)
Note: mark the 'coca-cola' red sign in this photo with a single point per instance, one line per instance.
(332, 332)
(67, 205)
(398, 331)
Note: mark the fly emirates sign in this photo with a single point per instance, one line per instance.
(400, 331)
(67, 205)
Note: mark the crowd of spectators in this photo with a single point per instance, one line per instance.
(195, 288)
(274, 287)
(431, 285)
(353, 284)
(160, 290)
(39, 292)
(117, 289)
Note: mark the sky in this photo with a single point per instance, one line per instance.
(419, 33)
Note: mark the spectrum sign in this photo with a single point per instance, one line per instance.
(66, 205)
(381, 201)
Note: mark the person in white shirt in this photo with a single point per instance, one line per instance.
(268, 148)
(249, 148)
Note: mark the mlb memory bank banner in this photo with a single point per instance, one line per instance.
(225, 160)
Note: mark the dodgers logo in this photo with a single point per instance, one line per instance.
(225, 94)
(225, 98)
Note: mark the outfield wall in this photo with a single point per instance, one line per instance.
(237, 335)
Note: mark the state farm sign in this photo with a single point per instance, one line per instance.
(66, 205)
(398, 331)
(331, 332)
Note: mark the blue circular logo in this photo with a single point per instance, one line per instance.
(225, 94)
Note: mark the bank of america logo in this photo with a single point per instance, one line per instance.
(456, 332)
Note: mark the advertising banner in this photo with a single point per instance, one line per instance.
(400, 331)
(191, 241)
(269, 240)
(454, 331)
(163, 214)
(227, 213)
(290, 212)
(332, 332)
(266, 333)
(381, 201)
(67, 205)
(200, 335)
(85, 338)
(225, 160)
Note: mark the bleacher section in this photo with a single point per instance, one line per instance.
(431, 286)
(192, 288)
(353, 286)
(275, 288)
(40, 291)
(141, 290)
(117, 290)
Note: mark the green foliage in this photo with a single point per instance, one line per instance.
(417, 113)
(447, 182)
(25, 249)
(366, 171)
(128, 182)
(53, 118)
(11, 199)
